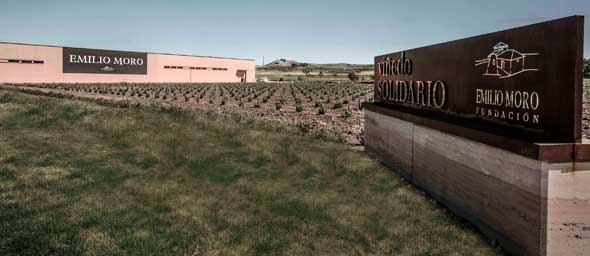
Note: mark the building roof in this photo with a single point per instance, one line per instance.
(510, 55)
(186, 55)
(500, 47)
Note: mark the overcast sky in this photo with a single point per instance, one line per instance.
(351, 31)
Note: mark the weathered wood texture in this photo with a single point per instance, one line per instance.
(392, 140)
(502, 193)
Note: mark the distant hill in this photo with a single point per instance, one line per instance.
(284, 65)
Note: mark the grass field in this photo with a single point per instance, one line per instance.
(81, 178)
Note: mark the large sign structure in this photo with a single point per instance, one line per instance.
(490, 126)
(523, 83)
(91, 61)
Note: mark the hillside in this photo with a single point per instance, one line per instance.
(291, 65)
(284, 70)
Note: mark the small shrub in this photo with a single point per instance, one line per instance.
(347, 114)
(338, 105)
(298, 108)
(6, 98)
(321, 111)
(305, 127)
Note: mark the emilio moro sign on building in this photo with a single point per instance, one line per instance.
(91, 61)
(522, 82)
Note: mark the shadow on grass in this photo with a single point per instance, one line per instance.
(23, 233)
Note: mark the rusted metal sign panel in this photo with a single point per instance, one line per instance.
(523, 83)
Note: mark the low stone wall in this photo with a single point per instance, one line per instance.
(530, 206)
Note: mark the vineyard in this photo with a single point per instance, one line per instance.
(329, 109)
(319, 108)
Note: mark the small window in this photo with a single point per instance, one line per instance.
(25, 61)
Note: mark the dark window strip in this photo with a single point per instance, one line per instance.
(195, 68)
(23, 61)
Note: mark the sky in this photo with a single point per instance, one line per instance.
(344, 31)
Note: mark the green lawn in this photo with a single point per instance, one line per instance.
(81, 178)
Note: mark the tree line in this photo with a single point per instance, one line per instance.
(587, 68)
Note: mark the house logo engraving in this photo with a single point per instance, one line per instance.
(107, 69)
(504, 62)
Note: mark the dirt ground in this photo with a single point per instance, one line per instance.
(335, 122)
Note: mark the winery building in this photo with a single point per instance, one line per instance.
(27, 63)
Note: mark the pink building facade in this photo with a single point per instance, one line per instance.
(24, 63)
